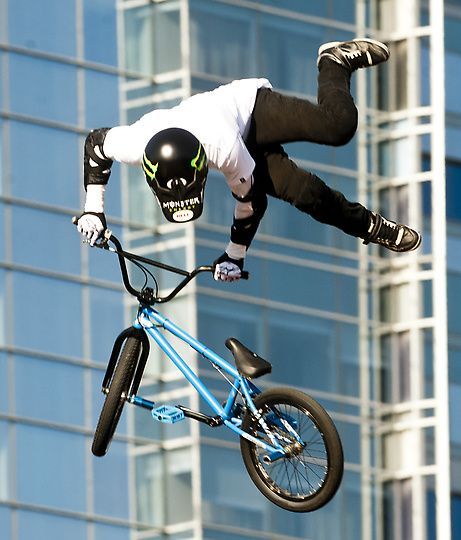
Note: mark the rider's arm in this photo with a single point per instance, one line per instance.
(249, 210)
(96, 173)
(96, 170)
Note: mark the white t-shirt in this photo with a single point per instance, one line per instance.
(219, 119)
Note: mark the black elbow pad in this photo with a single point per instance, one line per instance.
(96, 166)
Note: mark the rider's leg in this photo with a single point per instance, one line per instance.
(283, 179)
(280, 119)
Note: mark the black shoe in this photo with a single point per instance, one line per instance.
(391, 235)
(355, 54)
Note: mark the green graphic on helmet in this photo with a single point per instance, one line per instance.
(200, 160)
(149, 168)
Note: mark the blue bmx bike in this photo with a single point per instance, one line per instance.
(289, 444)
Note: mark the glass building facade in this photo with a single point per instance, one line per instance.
(374, 336)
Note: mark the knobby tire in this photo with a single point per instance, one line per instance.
(115, 399)
(309, 478)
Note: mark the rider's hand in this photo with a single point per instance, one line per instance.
(227, 269)
(92, 226)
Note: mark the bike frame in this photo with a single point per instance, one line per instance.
(151, 320)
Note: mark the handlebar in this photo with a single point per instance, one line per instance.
(146, 295)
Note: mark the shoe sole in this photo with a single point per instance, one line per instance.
(332, 44)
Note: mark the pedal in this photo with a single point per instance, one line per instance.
(167, 414)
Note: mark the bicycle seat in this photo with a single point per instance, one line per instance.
(248, 363)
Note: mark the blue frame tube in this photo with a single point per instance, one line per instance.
(149, 315)
(150, 319)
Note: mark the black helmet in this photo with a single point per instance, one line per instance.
(176, 168)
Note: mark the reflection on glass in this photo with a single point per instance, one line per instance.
(43, 89)
(152, 38)
(41, 525)
(51, 458)
(31, 26)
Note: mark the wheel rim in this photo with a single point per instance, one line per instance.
(303, 474)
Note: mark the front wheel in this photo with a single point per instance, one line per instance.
(117, 394)
(310, 474)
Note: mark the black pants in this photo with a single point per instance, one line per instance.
(279, 119)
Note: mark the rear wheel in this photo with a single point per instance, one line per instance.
(309, 476)
(117, 394)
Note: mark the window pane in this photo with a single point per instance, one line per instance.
(3, 383)
(54, 307)
(111, 532)
(100, 26)
(31, 25)
(5, 522)
(221, 40)
(3, 275)
(40, 525)
(152, 38)
(110, 484)
(339, 10)
(43, 89)
(5, 464)
(99, 84)
(107, 315)
(51, 387)
(55, 459)
(54, 162)
(59, 252)
(229, 495)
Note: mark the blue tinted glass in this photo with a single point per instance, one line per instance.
(50, 468)
(111, 532)
(288, 52)
(152, 38)
(455, 404)
(5, 463)
(49, 390)
(302, 349)
(107, 314)
(452, 61)
(101, 87)
(53, 160)
(41, 525)
(453, 179)
(2, 225)
(48, 25)
(43, 89)
(3, 383)
(110, 483)
(100, 26)
(229, 496)
(5, 522)
(454, 294)
(53, 309)
(3, 288)
(456, 516)
(221, 40)
(453, 149)
(339, 10)
(2, 56)
(59, 252)
(102, 264)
